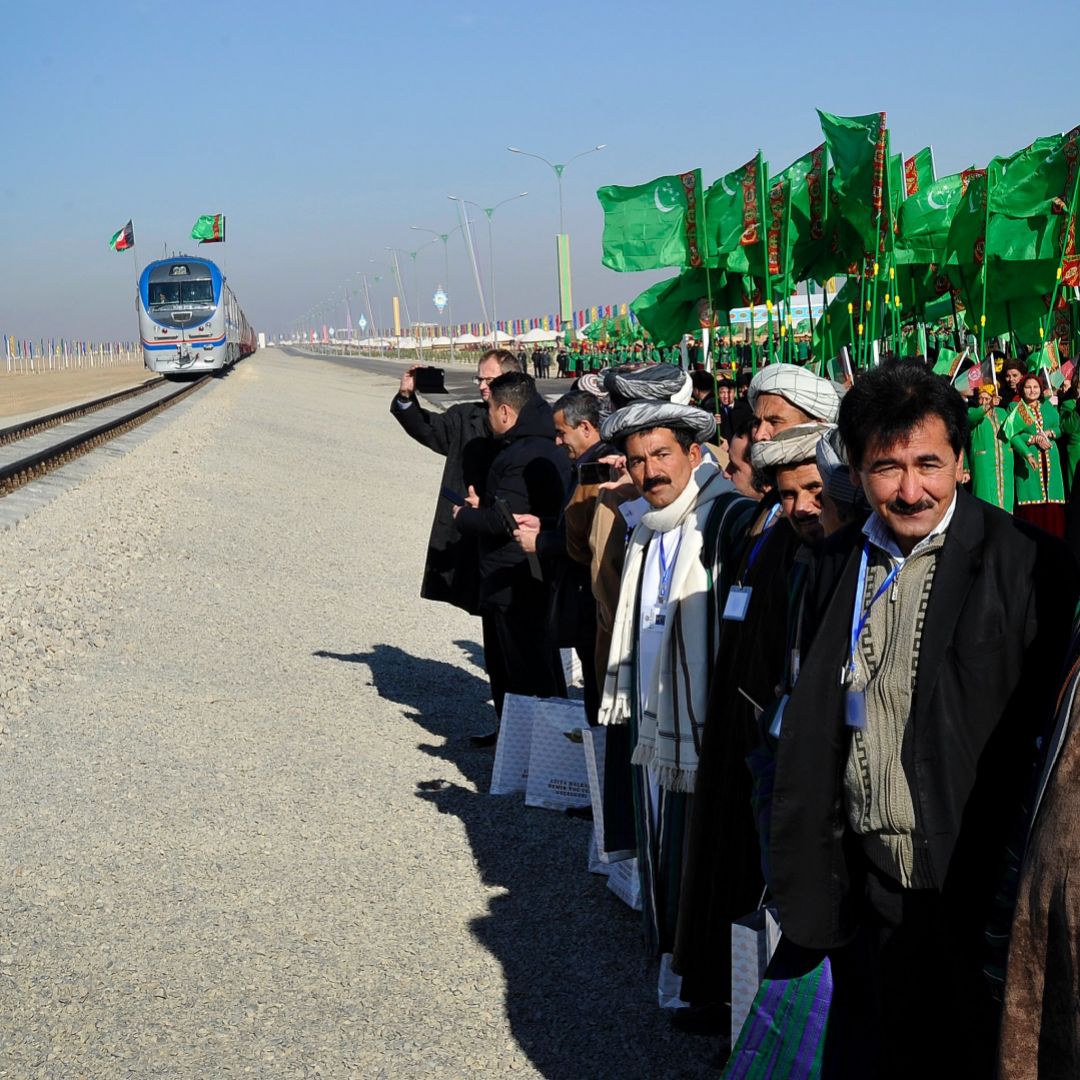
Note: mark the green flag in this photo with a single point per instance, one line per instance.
(671, 308)
(209, 229)
(918, 172)
(653, 225)
(856, 145)
(948, 362)
(733, 216)
(924, 220)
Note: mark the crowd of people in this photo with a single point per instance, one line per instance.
(838, 679)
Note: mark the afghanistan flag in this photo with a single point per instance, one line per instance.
(123, 238)
(977, 375)
(209, 229)
(653, 225)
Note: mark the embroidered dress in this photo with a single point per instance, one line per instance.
(990, 460)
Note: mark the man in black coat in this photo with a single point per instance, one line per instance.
(934, 638)
(529, 475)
(461, 435)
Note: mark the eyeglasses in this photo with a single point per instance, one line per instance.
(480, 380)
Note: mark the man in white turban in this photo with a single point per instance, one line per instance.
(666, 628)
(783, 395)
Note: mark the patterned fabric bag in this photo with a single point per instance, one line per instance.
(784, 1035)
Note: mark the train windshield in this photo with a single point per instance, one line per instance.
(191, 291)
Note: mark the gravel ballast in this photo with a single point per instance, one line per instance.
(243, 831)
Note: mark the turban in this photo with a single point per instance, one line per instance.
(655, 382)
(592, 383)
(789, 447)
(816, 397)
(832, 463)
(644, 415)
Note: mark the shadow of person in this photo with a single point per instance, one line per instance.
(451, 701)
(580, 995)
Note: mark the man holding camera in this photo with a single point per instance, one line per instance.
(528, 476)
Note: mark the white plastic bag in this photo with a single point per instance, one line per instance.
(625, 882)
(557, 777)
(510, 773)
(753, 941)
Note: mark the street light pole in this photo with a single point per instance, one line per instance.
(489, 213)
(445, 238)
(562, 241)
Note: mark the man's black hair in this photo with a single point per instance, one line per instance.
(515, 389)
(577, 406)
(702, 380)
(889, 402)
(683, 436)
(1012, 364)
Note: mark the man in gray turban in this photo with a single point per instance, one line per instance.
(655, 382)
(666, 624)
(783, 395)
(842, 501)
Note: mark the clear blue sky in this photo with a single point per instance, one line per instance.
(323, 130)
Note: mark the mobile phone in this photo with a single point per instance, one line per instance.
(594, 472)
(451, 496)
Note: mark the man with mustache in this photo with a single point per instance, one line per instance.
(666, 628)
(932, 643)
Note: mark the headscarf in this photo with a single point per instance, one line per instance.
(832, 463)
(790, 446)
(654, 382)
(816, 397)
(645, 415)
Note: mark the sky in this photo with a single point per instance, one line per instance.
(323, 130)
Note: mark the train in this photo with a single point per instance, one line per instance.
(189, 318)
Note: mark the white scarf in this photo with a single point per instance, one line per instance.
(670, 740)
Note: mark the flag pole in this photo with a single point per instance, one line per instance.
(763, 226)
(1069, 225)
(985, 272)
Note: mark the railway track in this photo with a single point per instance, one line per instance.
(31, 449)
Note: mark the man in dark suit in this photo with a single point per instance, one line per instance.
(930, 656)
(462, 436)
(530, 475)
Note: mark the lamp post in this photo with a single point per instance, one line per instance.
(445, 238)
(489, 213)
(562, 241)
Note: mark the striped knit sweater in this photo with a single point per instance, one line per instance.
(877, 794)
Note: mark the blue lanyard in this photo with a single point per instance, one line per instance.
(756, 549)
(666, 570)
(858, 622)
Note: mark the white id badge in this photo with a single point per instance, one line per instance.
(653, 618)
(738, 603)
(855, 709)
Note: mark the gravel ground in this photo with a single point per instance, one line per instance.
(242, 831)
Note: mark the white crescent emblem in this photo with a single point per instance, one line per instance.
(933, 205)
(971, 203)
(669, 190)
(726, 190)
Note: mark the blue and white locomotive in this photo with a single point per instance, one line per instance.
(189, 318)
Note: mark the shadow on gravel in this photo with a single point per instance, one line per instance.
(580, 995)
(447, 700)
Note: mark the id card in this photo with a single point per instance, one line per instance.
(654, 617)
(778, 717)
(738, 603)
(855, 709)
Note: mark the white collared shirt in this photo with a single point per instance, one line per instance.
(877, 532)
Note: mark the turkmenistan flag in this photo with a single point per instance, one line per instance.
(123, 238)
(856, 145)
(671, 308)
(653, 225)
(919, 172)
(732, 216)
(209, 229)
(948, 362)
(1047, 361)
(1036, 181)
(924, 219)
